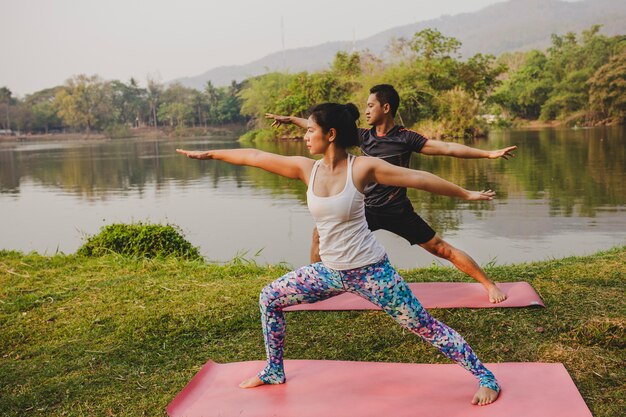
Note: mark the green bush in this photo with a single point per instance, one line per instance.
(260, 135)
(140, 240)
(117, 131)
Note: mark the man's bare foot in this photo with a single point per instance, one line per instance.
(496, 295)
(484, 396)
(255, 381)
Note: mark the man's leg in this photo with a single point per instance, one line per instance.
(464, 263)
(315, 247)
(404, 222)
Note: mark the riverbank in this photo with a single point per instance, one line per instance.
(135, 133)
(116, 336)
(255, 135)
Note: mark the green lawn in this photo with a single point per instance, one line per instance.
(121, 337)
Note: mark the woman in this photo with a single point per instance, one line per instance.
(352, 259)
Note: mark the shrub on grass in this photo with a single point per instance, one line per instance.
(140, 240)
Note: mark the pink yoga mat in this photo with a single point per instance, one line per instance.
(438, 295)
(363, 389)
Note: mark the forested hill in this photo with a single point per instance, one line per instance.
(508, 26)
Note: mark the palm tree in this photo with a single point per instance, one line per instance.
(5, 97)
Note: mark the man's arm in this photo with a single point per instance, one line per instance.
(286, 120)
(437, 147)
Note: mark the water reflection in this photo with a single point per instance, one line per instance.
(558, 175)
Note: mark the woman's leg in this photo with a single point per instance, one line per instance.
(304, 285)
(381, 284)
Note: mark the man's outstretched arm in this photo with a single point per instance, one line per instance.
(437, 147)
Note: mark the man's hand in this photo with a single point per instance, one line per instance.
(278, 120)
(481, 195)
(196, 154)
(505, 153)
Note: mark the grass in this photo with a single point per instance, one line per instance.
(114, 336)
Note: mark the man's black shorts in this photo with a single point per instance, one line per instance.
(401, 220)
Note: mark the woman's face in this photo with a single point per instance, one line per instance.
(316, 140)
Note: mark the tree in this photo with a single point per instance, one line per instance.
(39, 111)
(177, 105)
(479, 74)
(130, 102)
(556, 84)
(260, 94)
(431, 44)
(572, 62)
(460, 109)
(155, 89)
(347, 65)
(177, 113)
(229, 104)
(527, 89)
(211, 98)
(200, 107)
(607, 90)
(400, 50)
(44, 114)
(435, 59)
(5, 98)
(85, 102)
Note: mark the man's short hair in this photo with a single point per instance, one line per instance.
(386, 94)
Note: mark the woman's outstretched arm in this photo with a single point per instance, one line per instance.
(297, 167)
(379, 171)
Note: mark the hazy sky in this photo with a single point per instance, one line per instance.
(44, 42)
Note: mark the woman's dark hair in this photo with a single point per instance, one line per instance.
(342, 118)
(386, 94)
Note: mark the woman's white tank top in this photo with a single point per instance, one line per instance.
(345, 240)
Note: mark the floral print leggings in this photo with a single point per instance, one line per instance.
(378, 283)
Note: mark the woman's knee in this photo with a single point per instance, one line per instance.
(409, 314)
(267, 296)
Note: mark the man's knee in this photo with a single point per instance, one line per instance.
(316, 236)
(438, 247)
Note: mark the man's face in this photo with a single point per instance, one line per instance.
(375, 113)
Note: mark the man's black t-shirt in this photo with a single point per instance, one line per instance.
(396, 148)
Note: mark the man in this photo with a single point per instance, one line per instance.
(388, 207)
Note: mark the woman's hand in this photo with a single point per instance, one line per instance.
(196, 154)
(481, 195)
(505, 153)
(278, 120)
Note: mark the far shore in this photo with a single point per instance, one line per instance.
(134, 133)
(233, 129)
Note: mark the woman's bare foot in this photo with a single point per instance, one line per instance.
(255, 381)
(484, 396)
(496, 295)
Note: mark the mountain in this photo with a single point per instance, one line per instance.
(509, 26)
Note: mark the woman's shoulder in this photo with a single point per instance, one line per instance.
(364, 159)
(365, 163)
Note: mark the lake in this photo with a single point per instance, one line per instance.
(564, 194)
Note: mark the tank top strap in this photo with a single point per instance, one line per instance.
(313, 173)
(351, 159)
